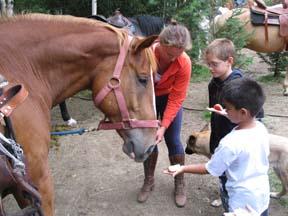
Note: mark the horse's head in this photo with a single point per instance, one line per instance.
(127, 98)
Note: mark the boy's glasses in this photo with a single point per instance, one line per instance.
(214, 64)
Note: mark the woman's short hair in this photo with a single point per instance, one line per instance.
(176, 35)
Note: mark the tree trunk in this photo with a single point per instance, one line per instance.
(277, 70)
(3, 7)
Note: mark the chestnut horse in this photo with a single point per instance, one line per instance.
(55, 57)
(258, 42)
(141, 25)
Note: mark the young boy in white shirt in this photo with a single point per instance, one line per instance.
(243, 153)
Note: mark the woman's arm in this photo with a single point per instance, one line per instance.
(177, 94)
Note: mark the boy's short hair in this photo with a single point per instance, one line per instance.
(221, 48)
(244, 93)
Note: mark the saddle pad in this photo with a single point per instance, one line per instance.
(283, 25)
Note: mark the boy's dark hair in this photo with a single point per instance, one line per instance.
(244, 93)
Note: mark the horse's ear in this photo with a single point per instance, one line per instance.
(143, 43)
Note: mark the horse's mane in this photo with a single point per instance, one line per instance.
(121, 34)
(150, 25)
(152, 59)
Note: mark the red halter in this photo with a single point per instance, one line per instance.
(126, 122)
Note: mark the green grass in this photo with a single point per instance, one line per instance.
(206, 115)
(200, 73)
(275, 185)
(271, 79)
(85, 94)
(54, 142)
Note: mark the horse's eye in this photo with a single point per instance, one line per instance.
(143, 80)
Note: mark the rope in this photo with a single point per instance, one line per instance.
(79, 131)
(82, 98)
(266, 114)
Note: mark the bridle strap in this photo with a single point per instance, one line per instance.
(116, 74)
(131, 123)
(114, 84)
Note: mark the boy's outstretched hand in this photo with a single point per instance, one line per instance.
(173, 170)
(217, 108)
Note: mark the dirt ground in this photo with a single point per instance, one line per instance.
(93, 177)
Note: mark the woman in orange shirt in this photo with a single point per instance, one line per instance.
(171, 84)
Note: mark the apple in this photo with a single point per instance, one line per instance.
(218, 107)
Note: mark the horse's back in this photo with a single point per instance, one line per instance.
(257, 39)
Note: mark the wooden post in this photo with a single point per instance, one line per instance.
(94, 7)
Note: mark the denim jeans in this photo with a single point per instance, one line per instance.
(172, 134)
(223, 193)
(265, 213)
(239, 3)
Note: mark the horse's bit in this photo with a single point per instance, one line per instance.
(127, 122)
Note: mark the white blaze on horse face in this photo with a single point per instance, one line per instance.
(153, 92)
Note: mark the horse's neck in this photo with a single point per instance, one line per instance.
(80, 67)
(59, 61)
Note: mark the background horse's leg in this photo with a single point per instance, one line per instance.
(65, 115)
(285, 83)
(1, 207)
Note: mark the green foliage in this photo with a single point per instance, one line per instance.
(85, 94)
(191, 14)
(200, 73)
(27, 6)
(234, 30)
(270, 78)
(73, 7)
(206, 115)
(277, 61)
(272, 2)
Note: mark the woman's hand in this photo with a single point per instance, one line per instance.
(160, 134)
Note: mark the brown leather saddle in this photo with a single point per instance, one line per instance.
(278, 16)
(11, 98)
(13, 175)
(119, 20)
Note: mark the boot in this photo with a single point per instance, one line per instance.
(179, 192)
(148, 186)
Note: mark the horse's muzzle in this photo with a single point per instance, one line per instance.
(138, 155)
